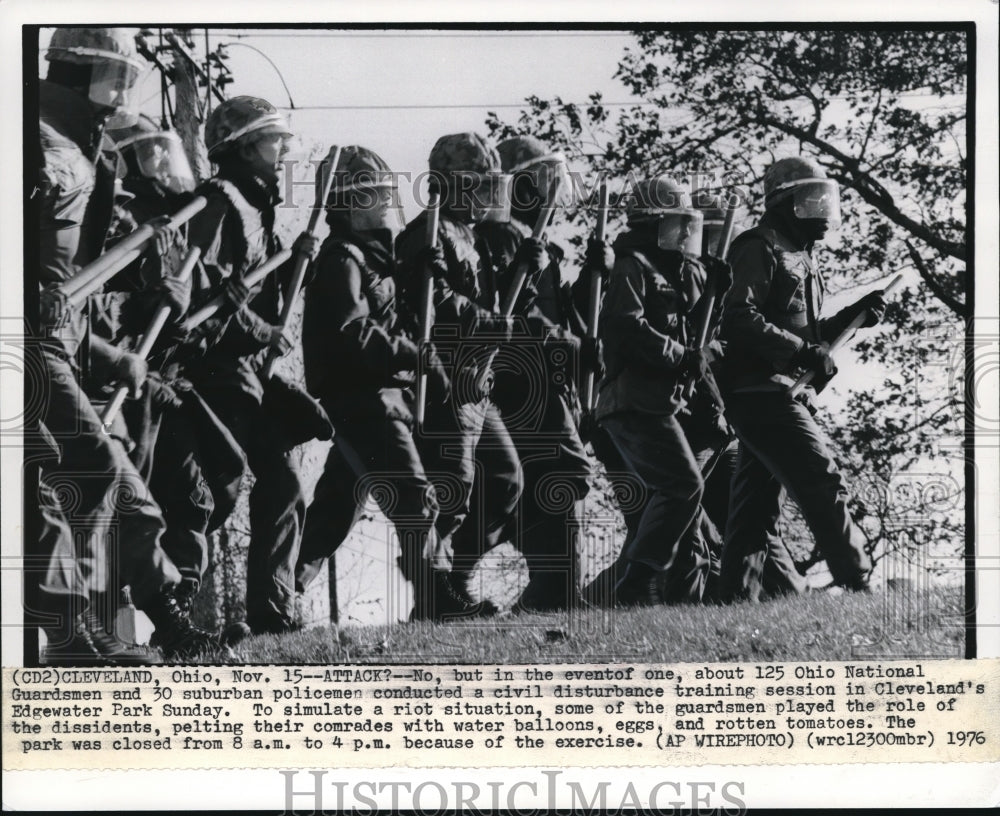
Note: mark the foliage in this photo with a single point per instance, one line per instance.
(884, 113)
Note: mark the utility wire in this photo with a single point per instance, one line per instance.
(552, 105)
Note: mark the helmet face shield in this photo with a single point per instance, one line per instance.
(368, 200)
(680, 230)
(114, 83)
(817, 199)
(492, 198)
(550, 177)
(473, 197)
(160, 157)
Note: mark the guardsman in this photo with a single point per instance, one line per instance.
(92, 72)
(466, 444)
(773, 331)
(361, 364)
(190, 460)
(248, 140)
(650, 356)
(536, 376)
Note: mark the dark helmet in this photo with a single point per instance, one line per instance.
(110, 66)
(463, 152)
(238, 117)
(466, 171)
(650, 198)
(780, 177)
(533, 165)
(364, 189)
(814, 196)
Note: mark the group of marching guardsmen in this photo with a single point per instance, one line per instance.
(448, 358)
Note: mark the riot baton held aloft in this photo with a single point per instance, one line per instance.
(426, 302)
(95, 274)
(842, 338)
(600, 235)
(149, 338)
(302, 261)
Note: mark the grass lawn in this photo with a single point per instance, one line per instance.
(893, 622)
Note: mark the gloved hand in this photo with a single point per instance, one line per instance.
(432, 258)
(817, 359)
(176, 294)
(53, 308)
(280, 341)
(236, 293)
(307, 245)
(720, 271)
(874, 304)
(161, 394)
(438, 384)
(130, 370)
(166, 239)
(693, 363)
(599, 257)
(590, 354)
(533, 254)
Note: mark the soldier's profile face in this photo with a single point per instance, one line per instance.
(266, 153)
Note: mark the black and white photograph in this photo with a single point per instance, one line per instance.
(466, 345)
(330, 365)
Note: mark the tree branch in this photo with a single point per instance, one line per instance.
(959, 308)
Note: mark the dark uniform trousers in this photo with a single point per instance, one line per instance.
(477, 476)
(783, 449)
(668, 537)
(188, 505)
(549, 517)
(99, 492)
(702, 542)
(375, 458)
(277, 507)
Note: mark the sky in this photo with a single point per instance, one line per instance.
(397, 91)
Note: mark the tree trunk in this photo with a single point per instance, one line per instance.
(188, 117)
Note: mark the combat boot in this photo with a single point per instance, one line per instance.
(114, 650)
(548, 592)
(436, 599)
(71, 644)
(638, 586)
(175, 634)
